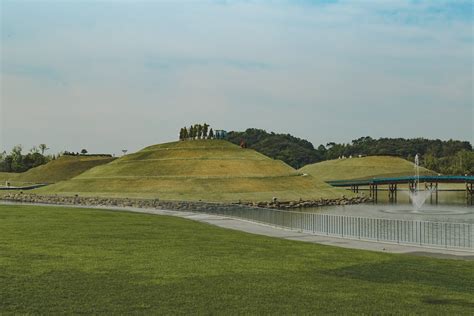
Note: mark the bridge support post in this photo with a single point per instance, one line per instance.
(469, 193)
(411, 186)
(392, 193)
(428, 187)
(355, 188)
(433, 188)
(376, 193)
(373, 189)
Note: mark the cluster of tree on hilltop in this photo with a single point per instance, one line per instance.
(83, 152)
(16, 161)
(447, 157)
(196, 131)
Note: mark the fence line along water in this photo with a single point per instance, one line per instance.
(407, 232)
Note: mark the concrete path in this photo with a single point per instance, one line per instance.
(266, 230)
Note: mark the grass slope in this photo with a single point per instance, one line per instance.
(77, 261)
(7, 176)
(362, 168)
(212, 170)
(63, 168)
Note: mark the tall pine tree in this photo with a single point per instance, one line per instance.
(205, 129)
(199, 130)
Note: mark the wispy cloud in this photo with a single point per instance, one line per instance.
(131, 73)
(35, 71)
(174, 63)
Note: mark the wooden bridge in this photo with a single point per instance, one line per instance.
(431, 183)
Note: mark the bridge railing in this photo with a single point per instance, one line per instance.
(405, 179)
(406, 232)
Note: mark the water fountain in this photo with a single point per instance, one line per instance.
(418, 197)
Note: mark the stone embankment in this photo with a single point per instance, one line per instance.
(313, 203)
(171, 205)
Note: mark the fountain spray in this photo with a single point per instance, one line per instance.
(418, 198)
(417, 172)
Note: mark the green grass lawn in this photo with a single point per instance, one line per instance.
(363, 168)
(65, 260)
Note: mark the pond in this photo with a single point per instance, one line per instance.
(451, 207)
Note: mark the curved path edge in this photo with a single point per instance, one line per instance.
(271, 231)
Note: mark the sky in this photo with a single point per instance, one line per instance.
(113, 75)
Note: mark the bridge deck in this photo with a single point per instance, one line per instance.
(397, 180)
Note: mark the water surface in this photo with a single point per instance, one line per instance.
(451, 207)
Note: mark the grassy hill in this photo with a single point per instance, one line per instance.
(212, 170)
(63, 168)
(8, 176)
(362, 168)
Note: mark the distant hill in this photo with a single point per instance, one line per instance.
(447, 157)
(211, 170)
(362, 168)
(294, 151)
(62, 168)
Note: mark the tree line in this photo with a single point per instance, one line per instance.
(16, 161)
(446, 157)
(296, 152)
(196, 131)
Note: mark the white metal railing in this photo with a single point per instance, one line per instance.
(407, 232)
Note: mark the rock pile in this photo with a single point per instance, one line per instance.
(173, 205)
(311, 203)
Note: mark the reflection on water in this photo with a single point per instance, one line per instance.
(444, 197)
(451, 207)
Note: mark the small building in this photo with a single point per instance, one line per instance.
(221, 134)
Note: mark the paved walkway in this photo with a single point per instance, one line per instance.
(261, 229)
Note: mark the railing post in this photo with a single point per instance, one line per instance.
(469, 233)
(342, 226)
(358, 226)
(398, 231)
(446, 234)
(420, 232)
(327, 224)
(377, 228)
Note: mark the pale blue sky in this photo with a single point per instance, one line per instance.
(107, 75)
